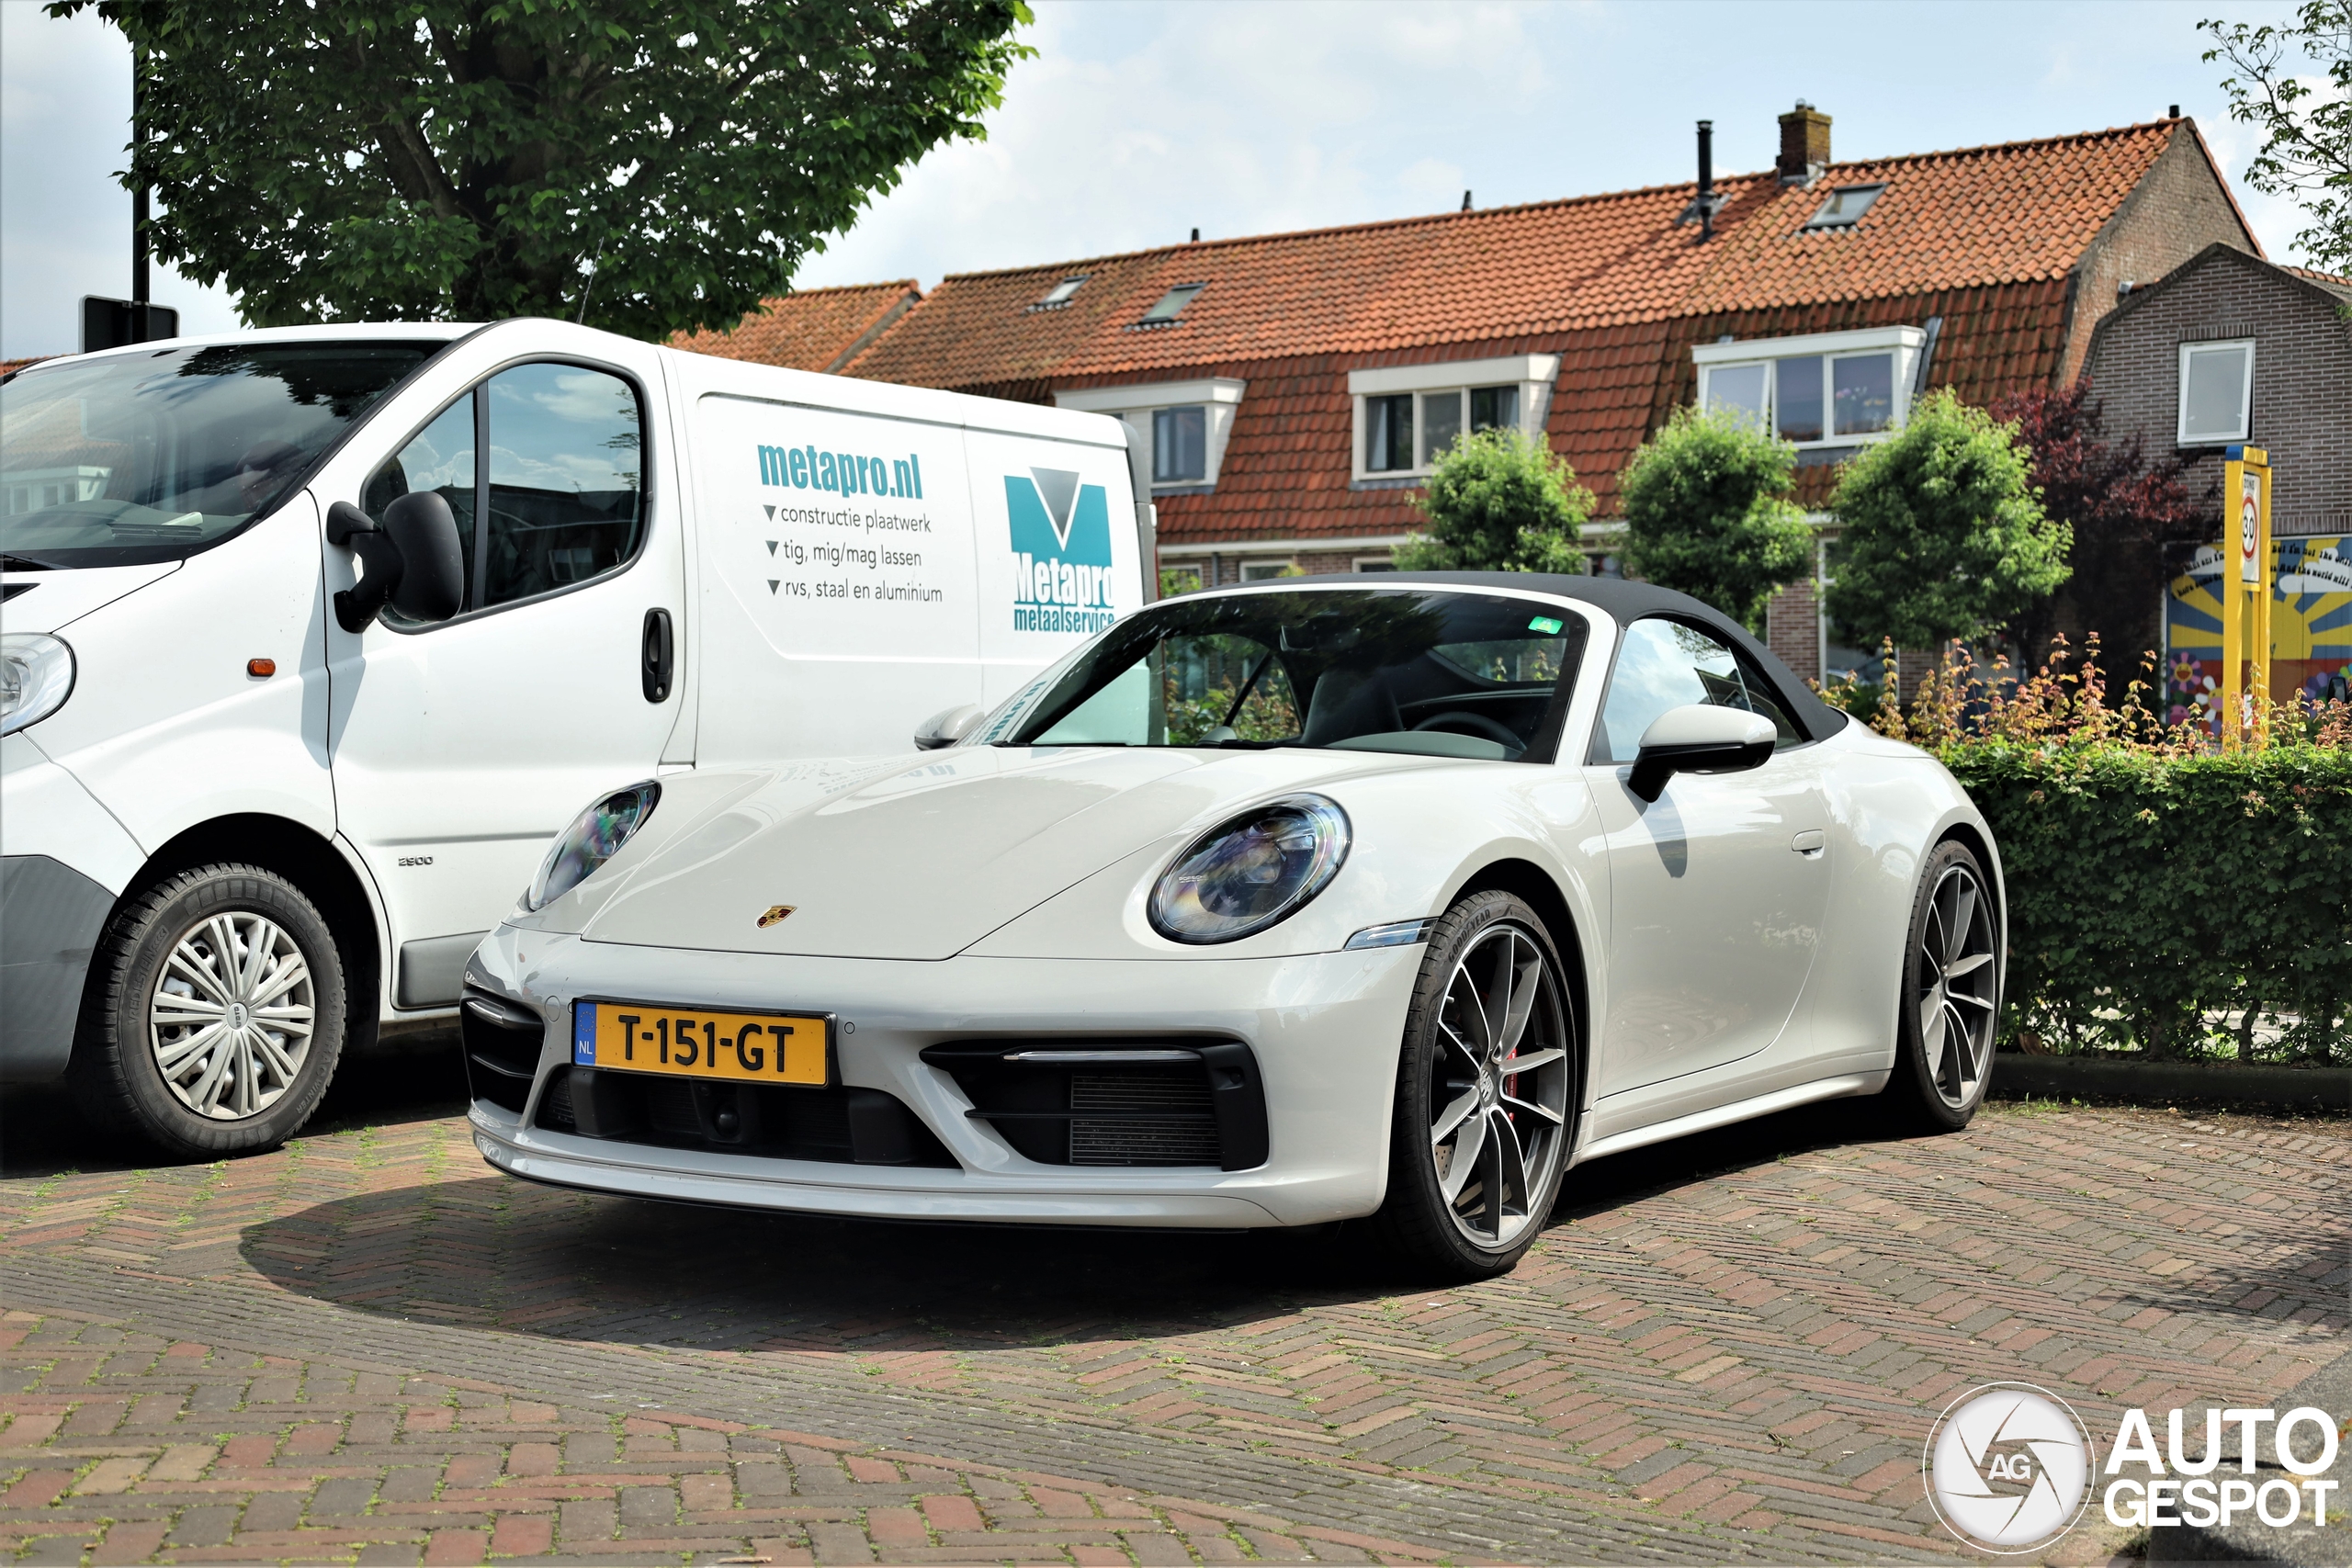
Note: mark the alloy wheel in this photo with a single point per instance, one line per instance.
(1498, 1088)
(1956, 981)
(231, 1017)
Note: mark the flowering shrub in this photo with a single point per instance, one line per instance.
(2164, 897)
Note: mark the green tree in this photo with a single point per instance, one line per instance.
(1498, 500)
(1707, 512)
(1943, 533)
(646, 165)
(2305, 118)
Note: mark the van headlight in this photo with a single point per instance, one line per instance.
(1251, 871)
(594, 837)
(36, 677)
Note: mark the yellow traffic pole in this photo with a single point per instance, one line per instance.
(2245, 595)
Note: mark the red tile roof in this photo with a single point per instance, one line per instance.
(2016, 213)
(811, 329)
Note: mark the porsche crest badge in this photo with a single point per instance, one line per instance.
(775, 912)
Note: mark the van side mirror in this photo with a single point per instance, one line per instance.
(947, 726)
(1699, 738)
(413, 563)
(433, 579)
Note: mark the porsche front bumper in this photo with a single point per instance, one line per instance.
(1324, 1031)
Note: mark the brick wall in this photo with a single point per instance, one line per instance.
(2303, 379)
(1793, 630)
(2181, 207)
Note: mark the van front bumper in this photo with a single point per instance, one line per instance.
(1323, 1031)
(59, 851)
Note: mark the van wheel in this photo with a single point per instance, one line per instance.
(1486, 1086)
(215, 1015)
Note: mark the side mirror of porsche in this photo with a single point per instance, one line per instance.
(947, 726)
(1699, 738)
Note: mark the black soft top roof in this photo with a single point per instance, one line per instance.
(1622, 601)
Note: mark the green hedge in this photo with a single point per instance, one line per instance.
(2150, 890)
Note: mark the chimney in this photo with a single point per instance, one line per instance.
(1707, 201)
(1804, 145)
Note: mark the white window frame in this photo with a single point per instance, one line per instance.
(1219, 396)
(2245, 394)
(1533, 373)
(1905, 343)
(1267, 569)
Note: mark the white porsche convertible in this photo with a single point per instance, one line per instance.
(1275, 906)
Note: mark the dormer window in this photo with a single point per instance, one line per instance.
(1170, 305)
(1180, 429)
(1823, 390)
(1843, 206)
(1407, 416)
(1060, 294)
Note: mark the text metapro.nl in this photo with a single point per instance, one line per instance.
(842, 473)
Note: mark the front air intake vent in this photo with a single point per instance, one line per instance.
(849, 1126)
(502, 1044)
(1142, 1117)
(1121, 1102)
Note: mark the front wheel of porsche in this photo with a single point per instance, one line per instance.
(1486, 1089)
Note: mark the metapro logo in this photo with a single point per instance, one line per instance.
(842, 473)
(1061, 552)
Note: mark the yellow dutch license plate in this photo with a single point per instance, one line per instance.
(694, 1043)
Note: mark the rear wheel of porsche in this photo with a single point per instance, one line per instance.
(1484, 1091)
(1950, 996)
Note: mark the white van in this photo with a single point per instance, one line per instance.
(298, 686)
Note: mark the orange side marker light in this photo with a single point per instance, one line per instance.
(261, 669)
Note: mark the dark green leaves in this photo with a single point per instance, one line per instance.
(1944, 535)
(1707, 512)
(1498, 500)
(665, 165)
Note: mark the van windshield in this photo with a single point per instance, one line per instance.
(138, 459)
(1478, 676)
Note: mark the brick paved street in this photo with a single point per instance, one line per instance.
(370, 1348)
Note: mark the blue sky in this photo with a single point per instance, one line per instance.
(1140, 120)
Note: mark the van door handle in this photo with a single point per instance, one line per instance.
(659, 654)
(1810, 842)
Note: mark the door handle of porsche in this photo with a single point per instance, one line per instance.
(1810, 843)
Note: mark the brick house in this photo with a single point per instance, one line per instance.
(815, 329)
(2228, 348)
(1291, 387)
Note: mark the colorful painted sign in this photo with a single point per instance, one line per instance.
(2311, 624)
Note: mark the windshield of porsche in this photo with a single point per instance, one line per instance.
(1445, 674)
(137, 458)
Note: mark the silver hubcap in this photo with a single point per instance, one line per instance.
(1956, 973)
(231, 1022)
(1499, 1087)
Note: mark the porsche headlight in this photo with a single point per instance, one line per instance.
(594, 838)
(1252, 871)
(36, 677)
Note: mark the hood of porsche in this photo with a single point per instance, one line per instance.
(920, 859)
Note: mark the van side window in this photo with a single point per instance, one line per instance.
(566, 500)
(441, 458)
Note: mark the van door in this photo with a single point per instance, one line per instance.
(460, 749)
(836, 578)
